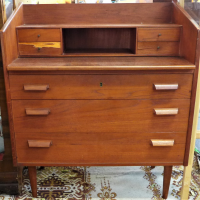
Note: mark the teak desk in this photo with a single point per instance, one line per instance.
(96, 85)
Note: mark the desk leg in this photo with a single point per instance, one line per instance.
(33, 180)
(166, 181)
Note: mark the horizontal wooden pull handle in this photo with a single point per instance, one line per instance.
(166, 111)
(166, 86)
(39, 143)
(164, 143)
(36, 87)
(41, 111)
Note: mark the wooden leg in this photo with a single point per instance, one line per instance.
(20, 179)
(166, 181)
(33, 180)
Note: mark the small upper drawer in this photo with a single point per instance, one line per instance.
(40, 48)
(39, 35)
(39, 42)
(158, 34)
(158, 48)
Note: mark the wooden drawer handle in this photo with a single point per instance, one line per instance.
(166, 111)
(166, 86)
(36, 87)
(162, 143)
(39, 143)
(41, 111)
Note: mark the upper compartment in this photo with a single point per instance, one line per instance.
(111, 30)
(106, 30)
(99, 41)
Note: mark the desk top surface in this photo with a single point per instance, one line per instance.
(100, 63)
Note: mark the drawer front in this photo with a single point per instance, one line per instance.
(101, 115)
(158, 48)
(39, 35)
(159, 34)
(40, 48)
(101, 86)
(98, 148)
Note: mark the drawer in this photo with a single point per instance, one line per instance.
(38, 35)
(100, 115)
(103, 148)
(101, 86)
(159, 34)
(158, 48)
(39, 42)
(40, 48)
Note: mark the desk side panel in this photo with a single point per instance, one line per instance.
(189, 50)
(10, 53)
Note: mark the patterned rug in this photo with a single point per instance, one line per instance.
(106, 183)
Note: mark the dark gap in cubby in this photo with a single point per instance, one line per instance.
(120, 41)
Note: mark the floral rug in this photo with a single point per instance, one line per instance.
(106, 183)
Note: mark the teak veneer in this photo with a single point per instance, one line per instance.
(112, 87)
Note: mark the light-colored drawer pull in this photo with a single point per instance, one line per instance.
(39, 143)
(36, 87)
(162, 143)
(166, 111)
(166, 86)
(41, 111)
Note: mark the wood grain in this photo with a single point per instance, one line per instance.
(38, 35)
(103, 148)
(42, 44)
(158, 48)
(88, 86)
(159, 34)
(103, 14)
(161, 143)
(39, 143)
(101, 116)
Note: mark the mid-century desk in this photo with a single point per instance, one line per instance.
(100, 85)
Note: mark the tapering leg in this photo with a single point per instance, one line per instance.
(33, 180)
(20, 178)
(166, 181)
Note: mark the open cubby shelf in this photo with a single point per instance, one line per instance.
(102, 41)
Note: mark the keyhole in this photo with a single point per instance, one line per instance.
(101, 84)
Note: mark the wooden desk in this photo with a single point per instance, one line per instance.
(100, 85)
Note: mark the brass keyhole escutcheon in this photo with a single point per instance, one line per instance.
(101, 84)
